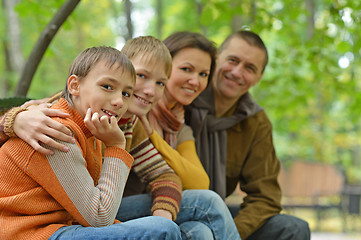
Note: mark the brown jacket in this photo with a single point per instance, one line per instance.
(252, 161)
(238, 148)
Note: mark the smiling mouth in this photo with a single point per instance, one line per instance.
(142, 100)
(234, 81)
(110, 114)
(189, 90)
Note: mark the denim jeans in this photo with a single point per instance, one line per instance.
(150, 228)
(279, 227)
(202, 214)
(282, 227)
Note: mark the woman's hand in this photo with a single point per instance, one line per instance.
(35, 126)
(103, 129)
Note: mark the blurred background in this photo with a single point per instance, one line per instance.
(310, 89)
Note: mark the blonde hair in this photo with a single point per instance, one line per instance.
(86, 60)
(149, 49)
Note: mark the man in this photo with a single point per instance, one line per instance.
(234, 141)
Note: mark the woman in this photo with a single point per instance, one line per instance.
(192, 66)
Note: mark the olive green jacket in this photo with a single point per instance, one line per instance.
(241, 153)
(252, 161)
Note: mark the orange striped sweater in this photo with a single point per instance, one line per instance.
(39, 194)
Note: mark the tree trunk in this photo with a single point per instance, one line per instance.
(14, 36)
(128, 13)
(253, 13)
(310, 6)
(159, 12)
(41, 45)
(14, 60)
(199, 6)
(5, 77)
(236, 23)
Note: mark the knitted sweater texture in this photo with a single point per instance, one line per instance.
(150, 172)
(39, 194)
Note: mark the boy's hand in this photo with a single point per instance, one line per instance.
(163, 213)
(108, 132)
(35, 125)
(146, 124)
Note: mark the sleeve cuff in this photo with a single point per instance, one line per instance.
(10, 119)
(166, 204)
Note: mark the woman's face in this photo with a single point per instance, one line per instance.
(190, 71)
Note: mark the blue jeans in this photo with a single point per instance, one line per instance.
(279, 227)
(143, 228)
(282, 227)
(202, 214)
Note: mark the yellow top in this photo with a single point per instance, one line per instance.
(184, 161)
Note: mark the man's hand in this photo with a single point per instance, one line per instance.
(35, 125)
(163, 213)
(108, 132)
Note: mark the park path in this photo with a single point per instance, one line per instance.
(334, 236)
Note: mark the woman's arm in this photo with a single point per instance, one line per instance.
(32, 123)
(35, 126)
(184, 161)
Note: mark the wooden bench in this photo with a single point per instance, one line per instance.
(315, 186)
(320, 187)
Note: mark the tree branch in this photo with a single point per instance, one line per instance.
(42, 44)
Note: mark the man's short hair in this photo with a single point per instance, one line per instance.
(251, 38)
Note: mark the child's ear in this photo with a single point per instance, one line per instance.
(73, 85)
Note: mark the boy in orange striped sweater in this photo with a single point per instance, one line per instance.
(76, 194)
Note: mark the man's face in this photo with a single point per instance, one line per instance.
(239, 66)
(149, 87)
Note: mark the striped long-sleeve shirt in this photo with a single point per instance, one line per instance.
(151, 169)
(39, 194)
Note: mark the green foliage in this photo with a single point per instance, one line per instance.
(312, 102)
(7, 103)
(89, 25)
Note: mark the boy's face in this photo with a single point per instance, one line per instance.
(149, 87)
(105, 90)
